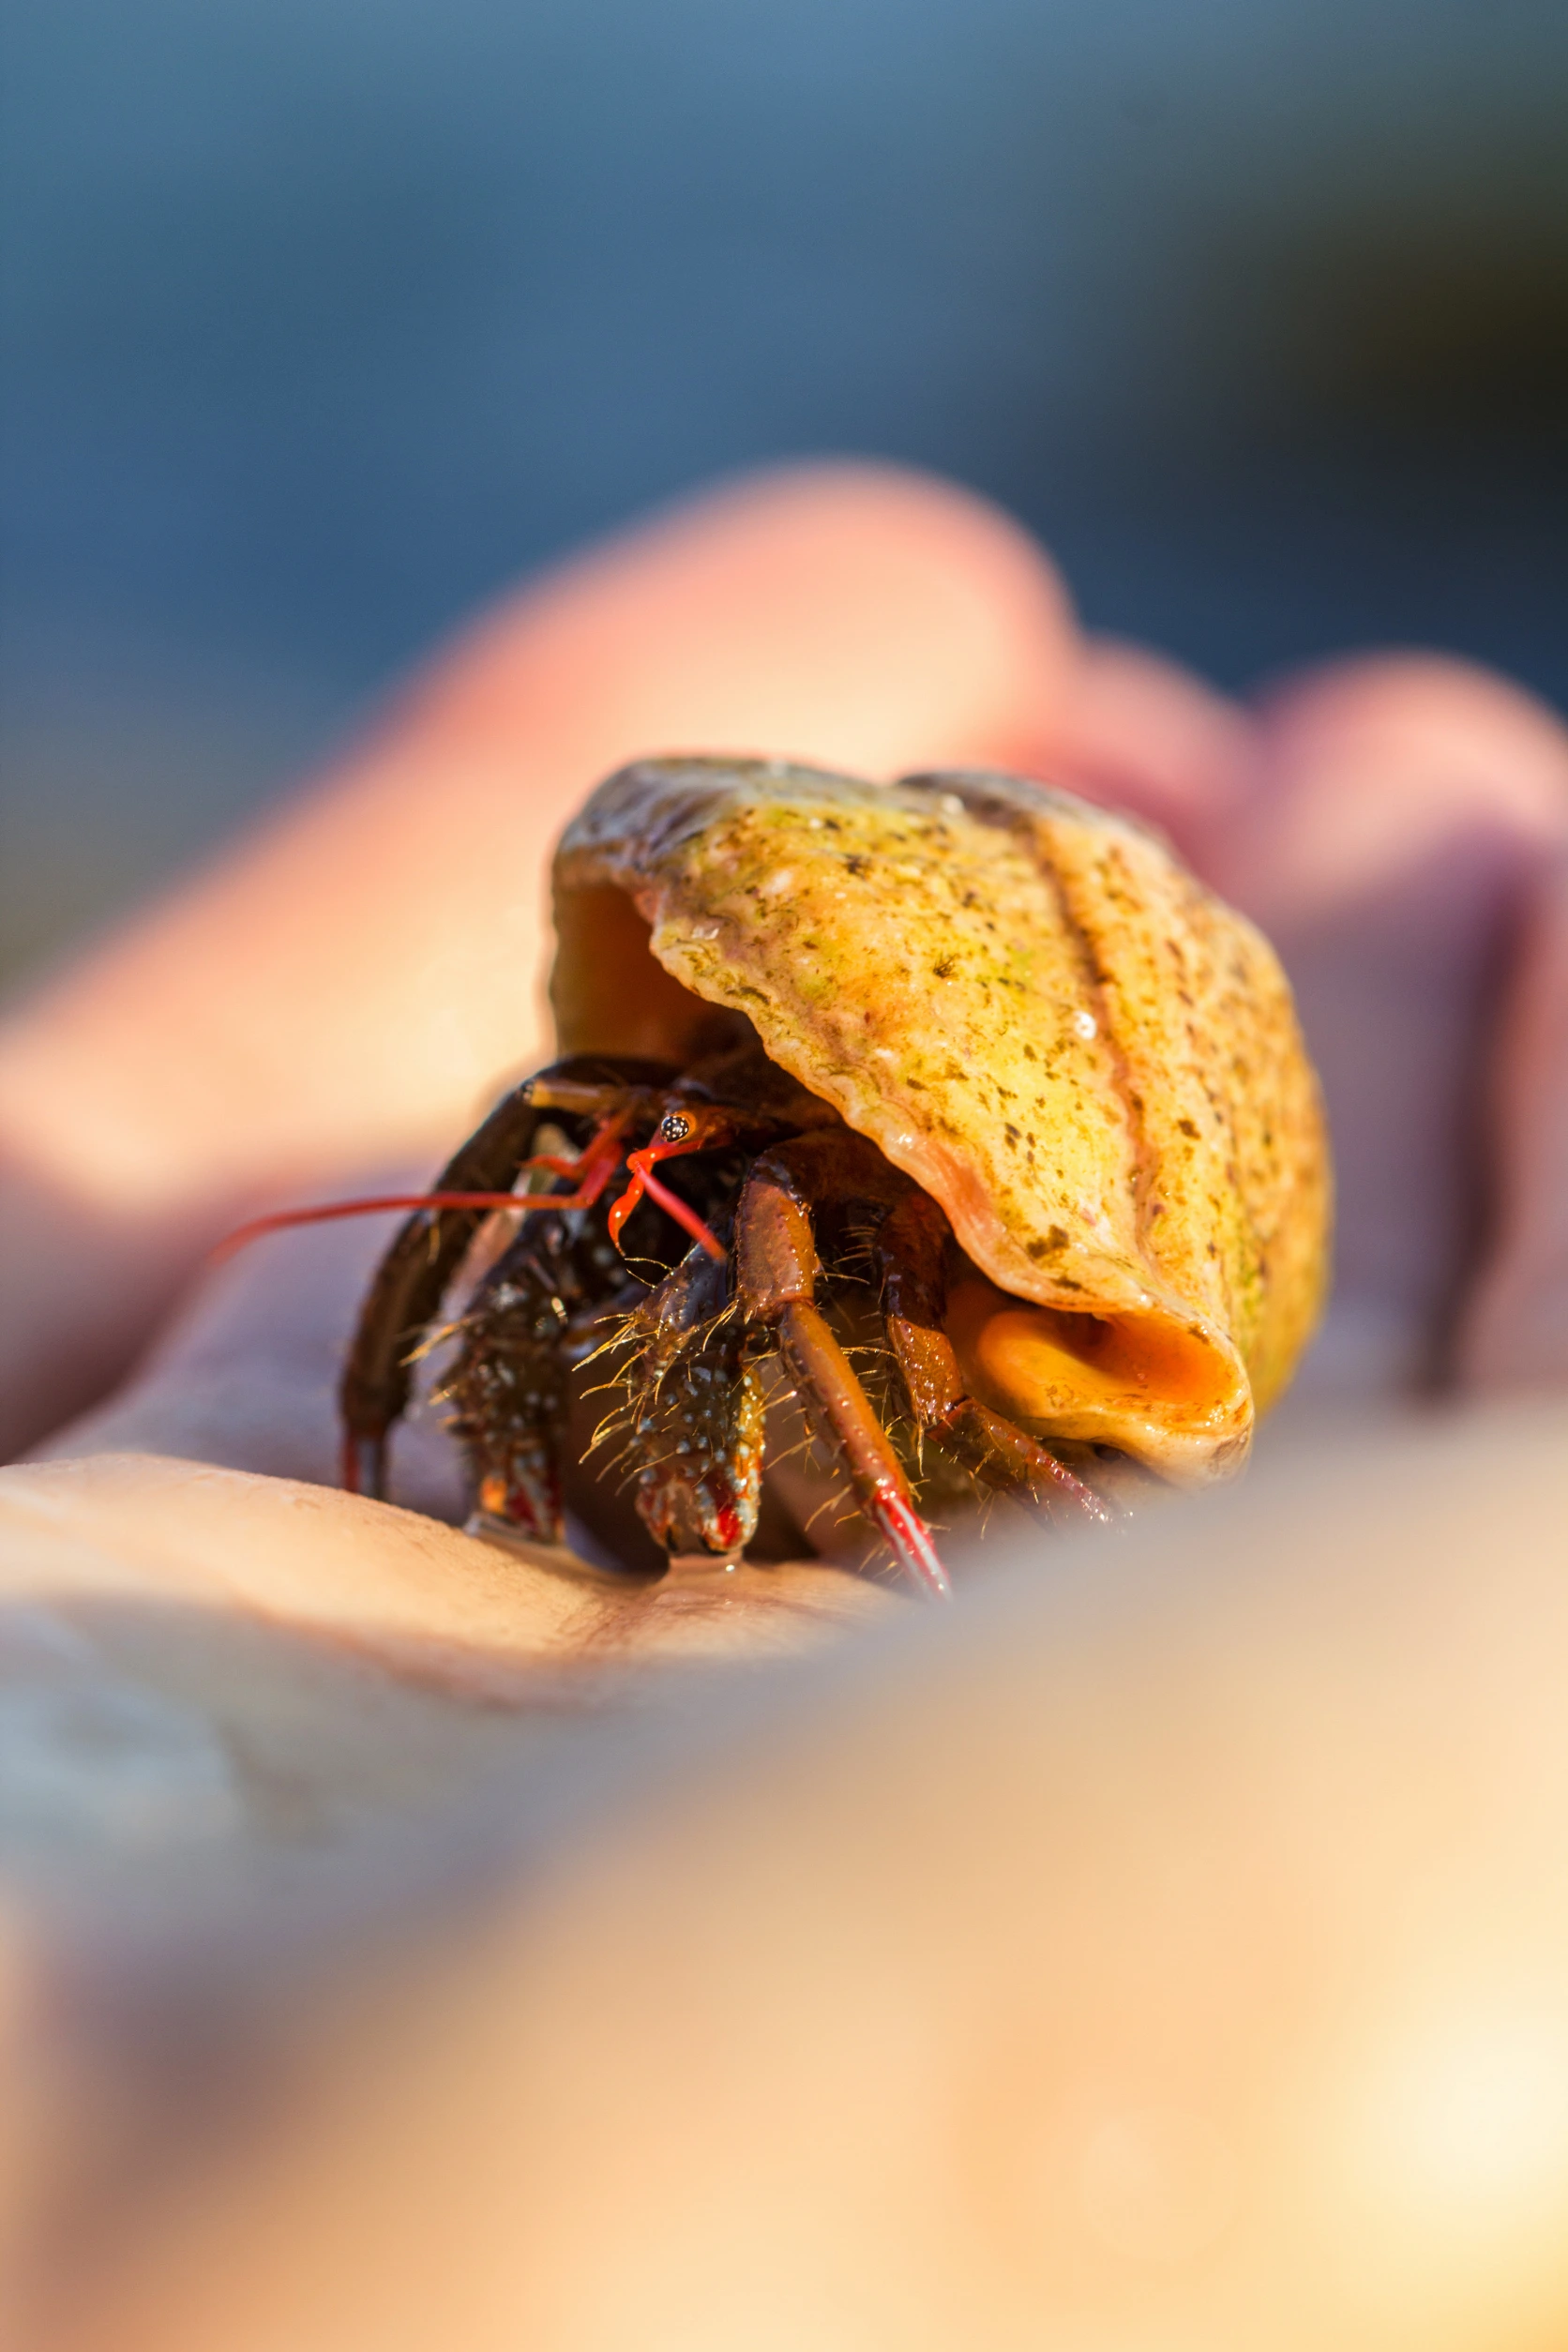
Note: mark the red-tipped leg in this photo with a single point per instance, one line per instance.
(824, 1372)
(912, 1548)
(362, 1466)
(777, 1277)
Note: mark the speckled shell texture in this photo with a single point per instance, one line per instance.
(1030, 1006)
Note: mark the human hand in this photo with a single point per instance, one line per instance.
(334, 1000)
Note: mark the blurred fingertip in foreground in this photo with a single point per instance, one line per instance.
(857, 614)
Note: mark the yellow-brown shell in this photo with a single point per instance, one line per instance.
(1038, 1014)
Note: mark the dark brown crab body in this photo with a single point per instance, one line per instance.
(967, 1041)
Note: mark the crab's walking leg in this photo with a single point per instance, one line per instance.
(777, 1269)
(910, 1246)
(413, 1277)
(510, 1383)
(696, 1412)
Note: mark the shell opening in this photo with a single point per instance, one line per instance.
(611, 994)
(1095, 1377)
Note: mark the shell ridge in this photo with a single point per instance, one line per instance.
(1095, 989)
(1179, 984)
(1025, 807)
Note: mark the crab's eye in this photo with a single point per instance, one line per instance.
(673, 1128)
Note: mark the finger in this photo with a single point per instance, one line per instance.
(349, 983)
(1515, 1331)
(1400, 807)
(1374, 767)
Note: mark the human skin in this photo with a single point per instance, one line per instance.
(336, 998)
(1165, 1948)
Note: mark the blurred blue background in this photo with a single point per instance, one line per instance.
(323, 317)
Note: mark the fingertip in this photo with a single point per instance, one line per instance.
(872, 511)
(863, 614)
(1373, 766)
(1440, 725)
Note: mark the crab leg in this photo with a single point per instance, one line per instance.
(510, 1383)
(425, 1255)
(697, 1412)
(777, 1270)
(911, 1245)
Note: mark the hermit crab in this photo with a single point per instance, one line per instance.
(954, 1106)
